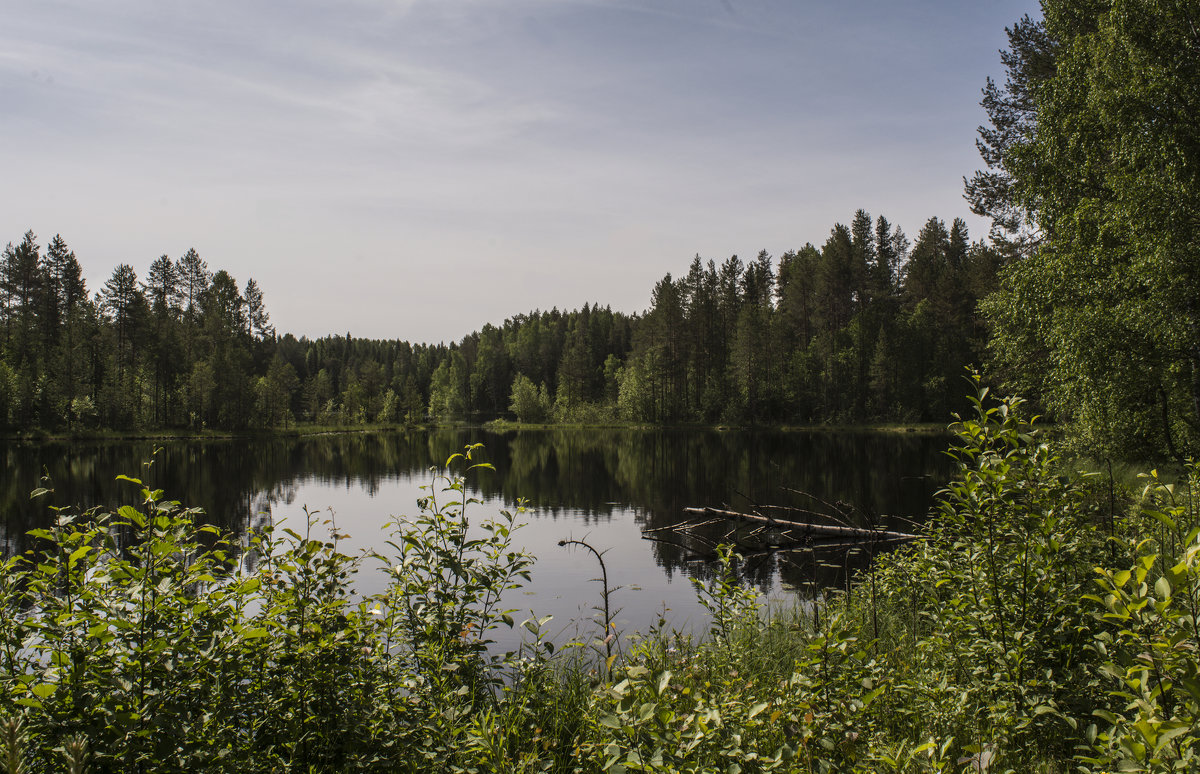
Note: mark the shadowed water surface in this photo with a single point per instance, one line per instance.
(605, 486)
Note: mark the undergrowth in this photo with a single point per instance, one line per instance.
(1030, 629)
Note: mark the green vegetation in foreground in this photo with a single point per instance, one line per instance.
(1016, 636)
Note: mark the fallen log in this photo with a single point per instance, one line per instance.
(695, 555)
(806, 528)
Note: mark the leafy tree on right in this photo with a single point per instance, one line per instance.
(1094, 177)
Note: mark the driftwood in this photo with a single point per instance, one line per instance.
(808, 529)
(696, 556)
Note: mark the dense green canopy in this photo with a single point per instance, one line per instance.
(1095, 143)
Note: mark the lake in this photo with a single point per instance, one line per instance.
(610, 487)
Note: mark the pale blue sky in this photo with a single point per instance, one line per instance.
(416, 168)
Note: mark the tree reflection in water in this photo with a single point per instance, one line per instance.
(576, 480)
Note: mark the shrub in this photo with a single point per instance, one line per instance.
(167, 647)
(1149, 642)
(989, 607)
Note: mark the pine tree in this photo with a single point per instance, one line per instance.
(164, 288)
(1012, 115)
(256, 312)
(661, 333)
(124, 306)
(63, 316)
(164, 294)
(226, 336)
(194, 279)
(862, 245)
(885, 270)
(55, 265)
(62, 290)
(21, 282)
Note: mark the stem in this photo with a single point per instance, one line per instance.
(604, 591)
(874, 606)
(1112, 509)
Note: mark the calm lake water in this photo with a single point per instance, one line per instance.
(606, 486)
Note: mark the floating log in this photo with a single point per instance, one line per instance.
(695, 555)
(808, 528)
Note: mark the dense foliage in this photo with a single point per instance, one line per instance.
(862, 328)
(866, 327)
(1094, 154)
(184, 348)
(1015, 636)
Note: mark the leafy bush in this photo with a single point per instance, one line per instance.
(168, 647)
(1150, 642)
(989, 606)
(529, 402)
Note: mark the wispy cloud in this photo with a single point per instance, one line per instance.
(555, 150)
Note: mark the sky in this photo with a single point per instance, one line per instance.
(414, 169)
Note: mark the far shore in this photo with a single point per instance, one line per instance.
(495, 425)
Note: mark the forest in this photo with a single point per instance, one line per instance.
(867, 327)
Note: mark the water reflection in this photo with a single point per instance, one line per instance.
(609, 483)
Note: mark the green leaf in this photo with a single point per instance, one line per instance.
(611, 721)
(1168, 733)
(44, 690)
(78, 554)
(132, 515)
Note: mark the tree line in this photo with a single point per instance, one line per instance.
(186, 347)
(866, 327)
